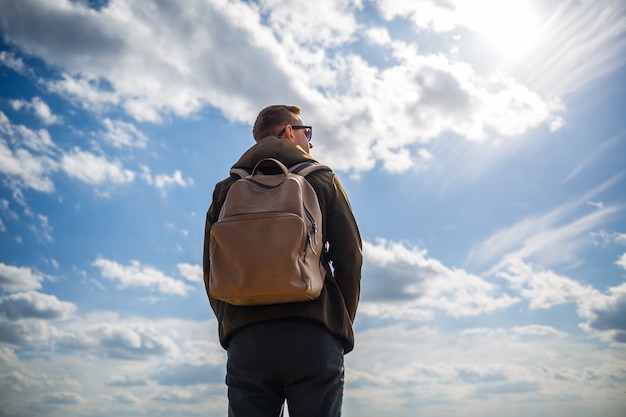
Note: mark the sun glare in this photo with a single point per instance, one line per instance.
(510, 27)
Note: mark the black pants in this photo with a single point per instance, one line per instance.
(293, 360)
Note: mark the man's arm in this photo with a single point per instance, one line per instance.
(345, 250)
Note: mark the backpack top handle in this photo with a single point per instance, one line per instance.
(276, 162)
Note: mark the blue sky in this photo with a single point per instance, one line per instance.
(481, 144)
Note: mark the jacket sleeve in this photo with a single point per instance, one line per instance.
(345, 247)
(211, 217)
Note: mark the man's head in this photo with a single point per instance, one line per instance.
(282, 120)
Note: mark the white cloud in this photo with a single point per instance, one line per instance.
(426, 14)
(106, 335)
(30, 157)
(425, 154)
(436, 373)
(30, 332)
(604, 237)
(191, 272)
(158, 72)
(14, 278)
(512, 33)
(622, 261)
(127, 381)
(121, 134)
(34, 305)
(163, 181)
(335, 26)
(26, 169)
(138, 356)
(44, 231)
(63, 398)
(19, 163)
(378, 35)
(605, 314)
(402, 282)
(146, 174)
(17, 379)
(544, 288)
(9, 60)
(552, 238)
(562, 244)
(151, 73)
(130, 342)
(125, 398)
(513, 108)
(39, 108)
(138, 275)
(86, 91)
(417, 100)
(537, 331)
(94, 169)
(430, 370)
(6, 211)
(394, 160)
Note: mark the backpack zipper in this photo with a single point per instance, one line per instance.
(314, 225)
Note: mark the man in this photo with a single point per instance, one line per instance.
(292, 351)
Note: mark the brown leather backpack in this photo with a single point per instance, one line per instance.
(267, 244)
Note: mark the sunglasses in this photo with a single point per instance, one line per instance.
(308, 132)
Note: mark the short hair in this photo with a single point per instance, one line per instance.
(273, 118)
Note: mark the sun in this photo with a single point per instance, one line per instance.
(512, 28)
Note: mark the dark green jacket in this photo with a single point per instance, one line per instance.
(336, 306)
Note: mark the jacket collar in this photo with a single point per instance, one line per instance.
(282, 149)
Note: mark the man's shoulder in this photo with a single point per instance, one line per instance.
(222, 186)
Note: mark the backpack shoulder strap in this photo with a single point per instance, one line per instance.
(305, 168)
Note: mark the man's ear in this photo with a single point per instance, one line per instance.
(289, 134)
